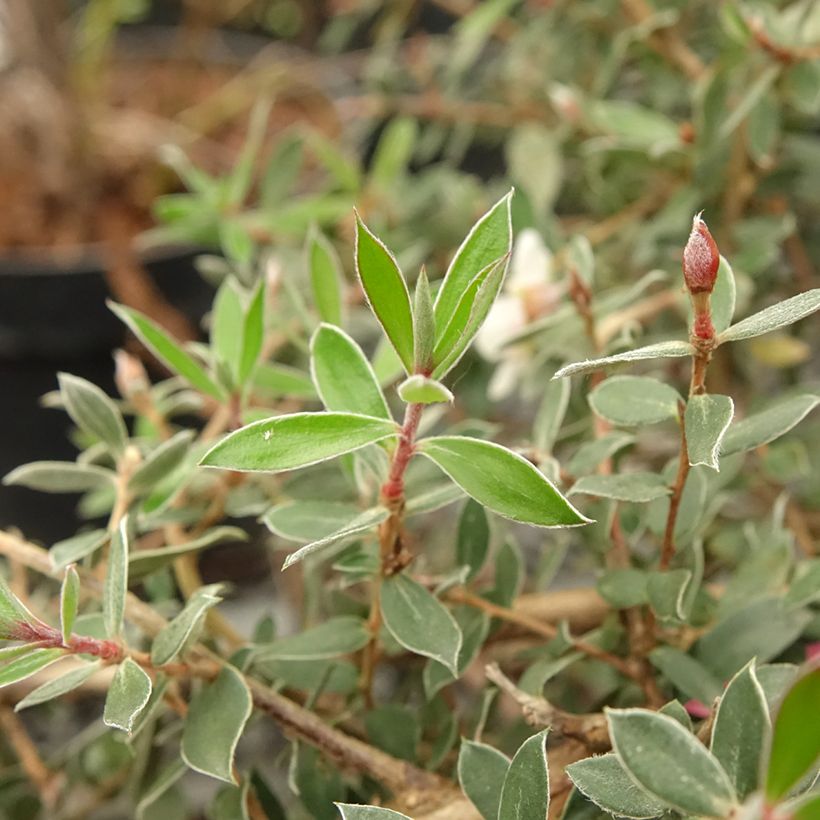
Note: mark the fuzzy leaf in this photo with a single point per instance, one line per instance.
(167, 350)
(767, 425)
(253, 333)
(386, 291)
(26, 665)
(741, 729)
(481, 773)
(639, 487)
(161, 462)
(69, 601)
(592, 453)
(325, 277)
(93, 412)
(76, 548)
(605, 782)
(298, 440)
(59, 686)
(116, 580)
(216, 718)
(343, 377)
(351, 812)
(707, 418)
(772, 318)
(623, 588)
(144, 562)
(633, 401)
(525, 794)
(60, 477)
(337, 636)
(501, 480)
(172, 638)
(424, 319)
(127, 696)
(421, 390)
(419, 621)
(670, 763)
(551, 414)
(686, 674)
(661, 350)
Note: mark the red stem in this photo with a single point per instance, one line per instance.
(393, 488)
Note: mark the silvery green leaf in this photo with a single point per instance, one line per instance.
(551, 414)
(59, 686)
(69, 601)
(26, 665)
(639, 487)
(161, 462)
(660, 350)
(592, 453)
(526, 791)
(433, 499)
(76, 548)
(481, 773)
(686, 674)
(670, 763)
(422, 390)
(115, 586)
(93, 412)
(127, 696)
(767, 425)
(772, 318)
(60, 477)
(161, 783)
(326, 277)
(633, 401)
(341, 635)
(172, 638)
(707, 418)
(350, 811)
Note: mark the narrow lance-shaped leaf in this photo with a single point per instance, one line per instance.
(419, 621)
(489, 239)
(551, 414)
(325, 277)
(127, 696)
(481, 773)
(526, 791)
(501, 480)
(605, 782)
(343, 376)
(768, 425)
(337, 636)
(740, 730)
(171, 640)
(253, 333)
(69, 600)
(297, 440)
(796, 737)
(116, 580)
(13, 612)
(772, 318)
(166, 349)
(706, 419)
(26, 665)
(670, 763)
(93, 412)
(227, 317)
(60, 477)
(161, 462)
(639, 487)
(386, 291)
(661, 350)
(59, 686)
(216, 717)
(424, 326)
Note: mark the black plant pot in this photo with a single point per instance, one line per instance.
(53, 317)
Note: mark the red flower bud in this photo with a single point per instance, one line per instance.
(701, 259)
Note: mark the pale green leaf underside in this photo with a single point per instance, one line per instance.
(26, 665)
(172, 638)
(706, 420)
(297, 440)
(127, 696)
(767, 425)
(349, 811)
(59, 686)
(421, 390)
(60, 476)
(93, 411)
(336, 636)
(639, 487)
(774, 317)
(661, 350)
(419, 621)
(501, 480)
(116, 580)
(633, 401)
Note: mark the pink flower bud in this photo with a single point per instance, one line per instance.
(701, 259)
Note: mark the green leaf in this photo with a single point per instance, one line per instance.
(161, 462)
(343, 377)
(723, 297)
(807, 808)
(686, 674)
(386, 291)
(394, 728)
(282, 170)
(127, 696)
(633, 401)
(253, 333)
(605, 782)
(796, 737)
(526, 791)
(297, 440)
(309, 520)
(227, 318)
(12, 613)
(325, 277)
(501, 480)
(805, 585)
(281, 381)
(69, 601)
(592, 453)
(144, 562)
(60, 477)
(432, 499)
(27, 665)
(240, 179)
(424, 325)
(668, 593)
(216, 717)
(488, 240)
(638, 487)
(471, 311)
(167, 350)
(550, 415)
(481, 773)
(59, 686)
(474, 626)
(158, 787)
(93, 412)
(661, 350)
(337, 636)
(473, 541)
(676, 710)
(670, 763)
(419, 621)
(394, 151)
(351, 812)
(76, 548)
(116, 580)
(171, 640)
(623, 588)
(707, 418)
(740, 730)
(365, 521)
(421, 390)
(772, 318)
(767, 425)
